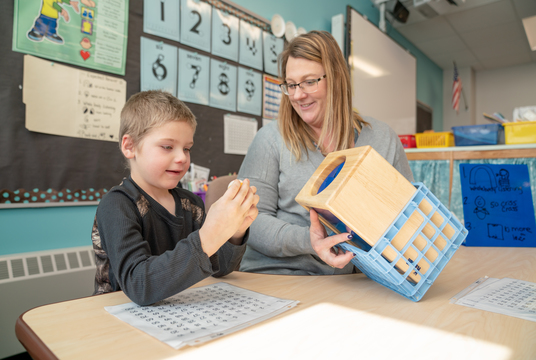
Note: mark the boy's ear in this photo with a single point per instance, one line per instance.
(127, 147)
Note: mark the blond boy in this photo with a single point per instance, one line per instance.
(151, 238)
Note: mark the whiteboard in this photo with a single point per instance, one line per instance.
(384, 76)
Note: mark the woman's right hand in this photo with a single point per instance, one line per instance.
(323, 245)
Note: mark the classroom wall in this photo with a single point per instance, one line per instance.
(488, 91)
(26, 230)
(502, 90)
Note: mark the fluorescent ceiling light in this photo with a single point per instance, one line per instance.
(530, 29)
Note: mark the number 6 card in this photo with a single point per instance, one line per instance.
(195, 24)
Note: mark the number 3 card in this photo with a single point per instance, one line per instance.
(497, 205)
(195, 24)
(225, 35)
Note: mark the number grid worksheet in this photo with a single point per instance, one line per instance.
(200, 314)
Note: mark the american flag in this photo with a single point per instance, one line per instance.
(456, 90)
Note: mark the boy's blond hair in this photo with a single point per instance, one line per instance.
(149, 109)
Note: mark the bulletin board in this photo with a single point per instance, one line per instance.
(48, 168)
(384, 75)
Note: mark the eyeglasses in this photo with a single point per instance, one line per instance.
(307, 86)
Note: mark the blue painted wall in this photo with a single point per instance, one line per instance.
(36, 229)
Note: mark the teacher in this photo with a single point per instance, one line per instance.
(315, 118)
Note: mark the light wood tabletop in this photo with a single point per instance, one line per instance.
(338, 316)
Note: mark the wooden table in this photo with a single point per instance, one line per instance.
(338, 317)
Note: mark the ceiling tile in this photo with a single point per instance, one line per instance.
(435, 28)
(525, 8)
(493, 34)
(503, 61)
(481, 17)
(442, 46)
(463, 59)
(517, 48)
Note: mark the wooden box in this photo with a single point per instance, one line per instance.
(367, 195)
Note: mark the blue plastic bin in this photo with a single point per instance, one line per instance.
(384, 272)
(487, 134)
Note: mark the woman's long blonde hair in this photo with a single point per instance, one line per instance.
(340, 120)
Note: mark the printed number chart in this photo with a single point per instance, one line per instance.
(506, 296)
(201, 314)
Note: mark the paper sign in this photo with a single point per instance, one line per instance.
(158, 66)
(273, 46)
(161, 18)
(225, 35)
(83, 104)
(271, 97)
(249, 91)
(250, 45)
(497, 205)
(194, 77)
(238, 133)
(195, 24)
(222, 85)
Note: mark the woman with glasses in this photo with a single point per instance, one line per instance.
(315, 118)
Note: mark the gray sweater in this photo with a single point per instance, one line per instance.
(279, 240)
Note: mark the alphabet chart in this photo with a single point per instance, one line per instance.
(201, 314)
(506, 296)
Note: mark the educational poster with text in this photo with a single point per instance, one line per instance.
(225, 35)
(196, 24)
(194, 77)
(271, 97)
(222, 85)
(497, 205)
(249, 98)
(88, 33)
(158, 66)
(250, 53)
(161, 18)
(84, 104)
(273, 46)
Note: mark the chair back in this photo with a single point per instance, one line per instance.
(216, 189)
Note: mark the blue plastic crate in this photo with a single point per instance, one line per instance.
(487, 134)
(384, 272)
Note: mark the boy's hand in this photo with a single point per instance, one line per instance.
(229, 217)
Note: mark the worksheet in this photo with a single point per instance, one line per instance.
(506, 296)
(201, 314)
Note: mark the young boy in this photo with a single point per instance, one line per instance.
(152, 239)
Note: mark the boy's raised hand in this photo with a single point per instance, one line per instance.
(229, 217)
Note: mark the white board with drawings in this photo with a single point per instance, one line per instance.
(384, 76)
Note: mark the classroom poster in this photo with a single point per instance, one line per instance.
(273, 46)
(161, 18)
(84, 104)
(497, 205)
(250, 53)
(194, 77)
(196, 24)
(87, 33)
(158, 66)
(225, 35)
(222, 85)
(249, 98)
(271, 97)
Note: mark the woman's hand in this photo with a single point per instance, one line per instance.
(323, 245)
